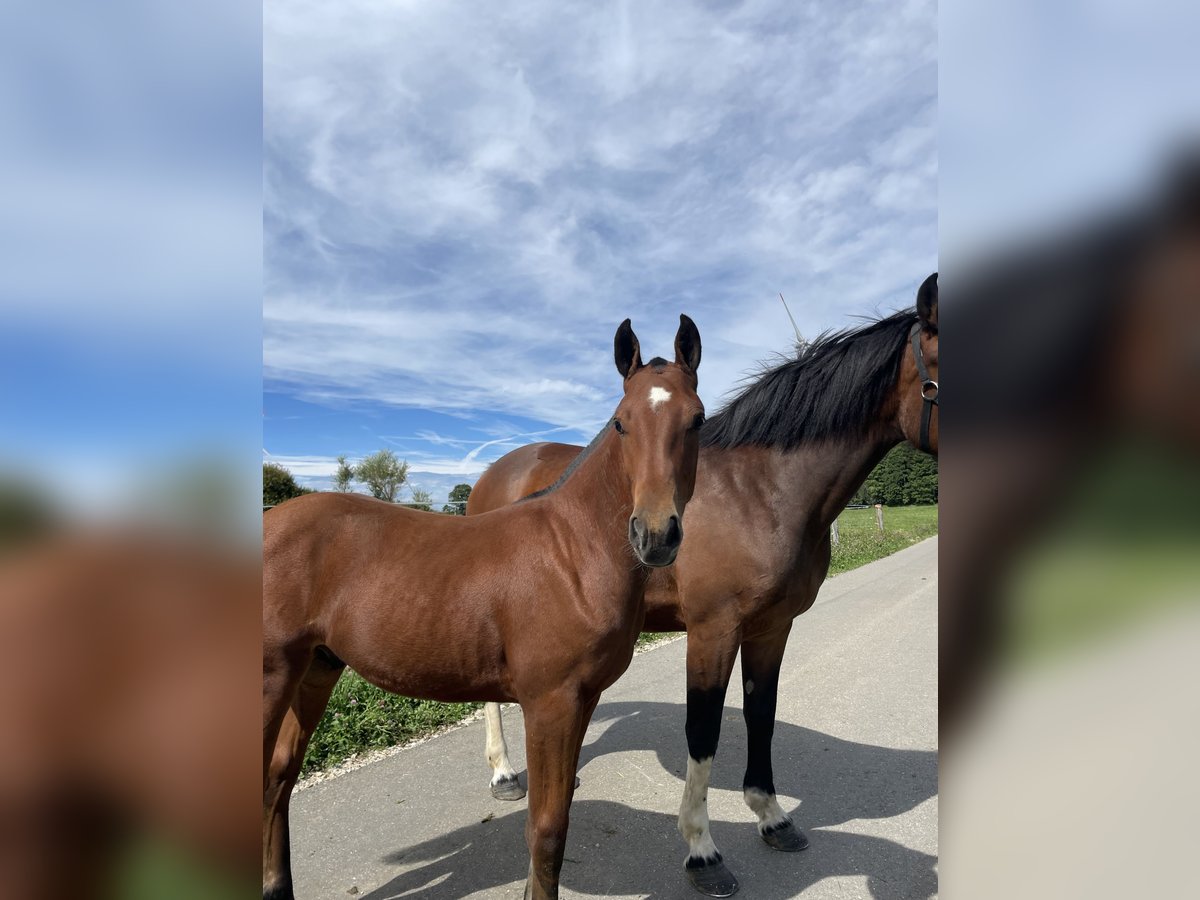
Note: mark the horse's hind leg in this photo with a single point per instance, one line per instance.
(761, 660)
(505, 784)
(554, 729)
(283, 769)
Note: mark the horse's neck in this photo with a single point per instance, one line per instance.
(817, 480)
(598, 502)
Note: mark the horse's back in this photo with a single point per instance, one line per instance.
(317, 548)
(298, 533)
(520, 473)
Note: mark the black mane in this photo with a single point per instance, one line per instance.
(575, 464)
(832, 389)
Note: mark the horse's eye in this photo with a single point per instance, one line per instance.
(698, 422)
(617, 425)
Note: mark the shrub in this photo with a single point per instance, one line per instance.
(363, 717)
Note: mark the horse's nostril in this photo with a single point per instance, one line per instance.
(674, 531)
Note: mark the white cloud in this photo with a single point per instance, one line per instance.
(463, 201)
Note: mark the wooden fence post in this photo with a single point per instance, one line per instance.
(879, 516)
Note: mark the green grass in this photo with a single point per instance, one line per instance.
(362, 717)
(153, 868)
(1076, 590)
(1118, 549)
(649, 637)
(860, 541)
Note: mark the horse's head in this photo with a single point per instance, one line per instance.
(1152, 363)
(659, 421)
(918, 384)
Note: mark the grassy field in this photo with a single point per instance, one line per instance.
(361, 717)
(860, 541)
(1117, 551)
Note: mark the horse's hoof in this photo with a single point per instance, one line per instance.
(576, 781)
(281, 892)
(508, 788)
(785, 836)
(711, 877)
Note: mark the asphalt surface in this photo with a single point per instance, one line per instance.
(855, 756)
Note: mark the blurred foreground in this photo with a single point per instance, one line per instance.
(1069, 629)
(130, 448)
(130, 432)
(126, 662)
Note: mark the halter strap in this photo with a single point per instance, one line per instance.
(929, 387)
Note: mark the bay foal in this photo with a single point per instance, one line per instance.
(540, 603)
(777, 466)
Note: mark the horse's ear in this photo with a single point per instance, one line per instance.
(626, 351)
(927, 302)
(687, 344)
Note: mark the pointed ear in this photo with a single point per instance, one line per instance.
(626, 351)
(687, 344)
(927, 302)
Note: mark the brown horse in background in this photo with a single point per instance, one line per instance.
(777, 466)
(540, 603)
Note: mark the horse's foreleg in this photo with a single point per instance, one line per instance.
(554, 728)
(505, 784)
(761, 660)
(283, 769)
(710, 655)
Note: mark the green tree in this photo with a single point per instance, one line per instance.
(343, 476)
(459, 494)
(382, 473)
(862, 496)
(904, 477)
(279, 485)
(422, 500)
(25, 513)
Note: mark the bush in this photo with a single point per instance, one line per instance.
(363, 717)
(279, 485)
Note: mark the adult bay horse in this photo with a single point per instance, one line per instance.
(777, 465)
(541, 602)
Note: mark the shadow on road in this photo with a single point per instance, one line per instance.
(633, 851)
(836, 780)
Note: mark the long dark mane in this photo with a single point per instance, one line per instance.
(575, 464)
(832, 389)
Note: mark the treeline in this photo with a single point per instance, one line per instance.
(904, 477)
(382, 473)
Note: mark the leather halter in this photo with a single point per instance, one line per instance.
(929, 387)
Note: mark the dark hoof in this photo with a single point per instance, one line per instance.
(576, 781)
(711, 877)
(283, 892)
(508, 788)
(785, 836)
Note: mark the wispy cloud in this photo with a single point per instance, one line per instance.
(463, 201)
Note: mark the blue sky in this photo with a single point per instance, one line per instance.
(462, 201)
(130, 250)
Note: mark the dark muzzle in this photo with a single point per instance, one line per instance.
(657, 547)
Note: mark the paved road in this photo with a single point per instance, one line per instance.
(855, 759)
